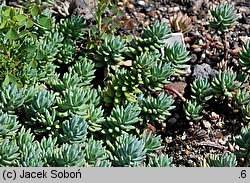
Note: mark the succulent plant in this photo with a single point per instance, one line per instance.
(72, 28)
(74, 130)
(181, 23)
(9, 124)
(241, 98)
(224, 17)
(124, 86)
(73, 101)
(244, 56)
(30, 152)
(69, 155)
(95, 151)
(122, 119)
(103, 163)
(129, 151)
(177, 55)
(84, 68)
(152, 39)
(48, 49)
(95, 118)
(246, 112)
(68, 80)
(225, 160)
(31, 156)
(160, 161)
(157, 76)
(110, 52)
(156, 109)
(145, 61)
(47, 146)
(243, 141)
(152, 142)
(24, 137)
(8, 153)
(201, 89)
(155, 36)
(11, 98)
(225, 83)
(42, 111)
(152, 71)
(67, 52)
(192, 110)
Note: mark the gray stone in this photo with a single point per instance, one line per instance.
(175, 37)
(204, 70)
(141, 3)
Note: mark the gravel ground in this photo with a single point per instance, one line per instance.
(188, 143)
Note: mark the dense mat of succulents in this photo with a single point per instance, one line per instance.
(74, 93)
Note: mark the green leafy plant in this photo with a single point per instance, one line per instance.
(42, 111)
(122, 119)
(155, 36)
(152, 39)
(181, 23)
(103, 163)
(241, 98)
(122, 87)
(152, 142)
(225, 83)
(243, 141)
(161, 161)
(95, 153)
(225, 160)
(9, 124)
(8, 153)
(85, 70)
(73, 101)
(77, 93)
(19, 34)
(30, 152)
(157, 76)
(100, 7)
(156, 109)
(192, 110)
(69, 155)
(177, 55)
(12, 98)
(129, 151)
(152, 72)
(74, 130)
(244, 56)
(201, 89)
(47, 147)
(224, 17)
(110, 52)
(246, 112)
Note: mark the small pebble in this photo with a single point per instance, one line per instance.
(172, 120)
(120, 3)
(130, 6)
(222, 142)
(173, 9)
(220, 124)
(163, 9)
(147, 9)
(206, 124)
(141, 3)
(197, 50)
(184, 136)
